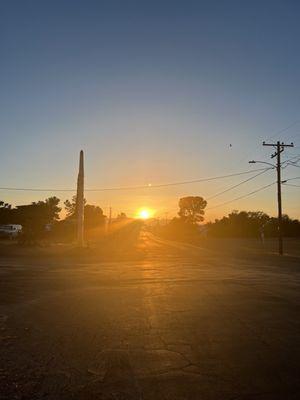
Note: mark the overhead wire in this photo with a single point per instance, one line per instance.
(149, 186)
(242, 197)
(238, 184)
(291, 179)
(276, 134)
(290, 184)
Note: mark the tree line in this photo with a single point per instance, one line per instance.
(236, 224)
(36, 217)
(252, 224)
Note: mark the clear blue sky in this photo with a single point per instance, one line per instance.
(152, 91)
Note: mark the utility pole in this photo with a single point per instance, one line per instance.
(279, 149)
(109, 218)
(166, 218)
(80, 201)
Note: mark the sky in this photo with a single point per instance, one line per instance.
(153, 92)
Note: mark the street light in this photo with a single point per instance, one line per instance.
(262, 162)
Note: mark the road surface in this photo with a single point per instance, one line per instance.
(181, 322)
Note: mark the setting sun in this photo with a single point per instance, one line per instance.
(144, 213)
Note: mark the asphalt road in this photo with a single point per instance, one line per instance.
(179, 323)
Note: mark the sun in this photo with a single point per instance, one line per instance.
(144, 213)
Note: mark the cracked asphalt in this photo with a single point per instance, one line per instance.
(180, 322)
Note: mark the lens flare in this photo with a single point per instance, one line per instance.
(144, 213)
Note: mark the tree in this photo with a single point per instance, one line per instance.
(191, 209)
(51, 208)
(70, 206)
(5, 212)
(243, 224)
(290, 227)
(38, 213)
(4, 206)
(122, 216)
(35, 216)
(93, 215)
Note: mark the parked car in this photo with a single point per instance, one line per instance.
(10, 231)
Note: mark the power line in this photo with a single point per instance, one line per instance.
(276, 134)
(238, 184)
(295, 136)
(37, 189)
(284, 129)
(242, 197)
(293, 165)
(292, 158)
(291, 179)
(290, 184)
(149, 186)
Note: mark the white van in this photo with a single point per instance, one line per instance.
(11, 231)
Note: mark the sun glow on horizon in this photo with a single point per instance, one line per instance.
(144, 213)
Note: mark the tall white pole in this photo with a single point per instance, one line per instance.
(80, 201)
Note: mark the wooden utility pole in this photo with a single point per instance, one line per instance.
(166, 218)
(279, 149)
(109, 218)
(80, 201)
